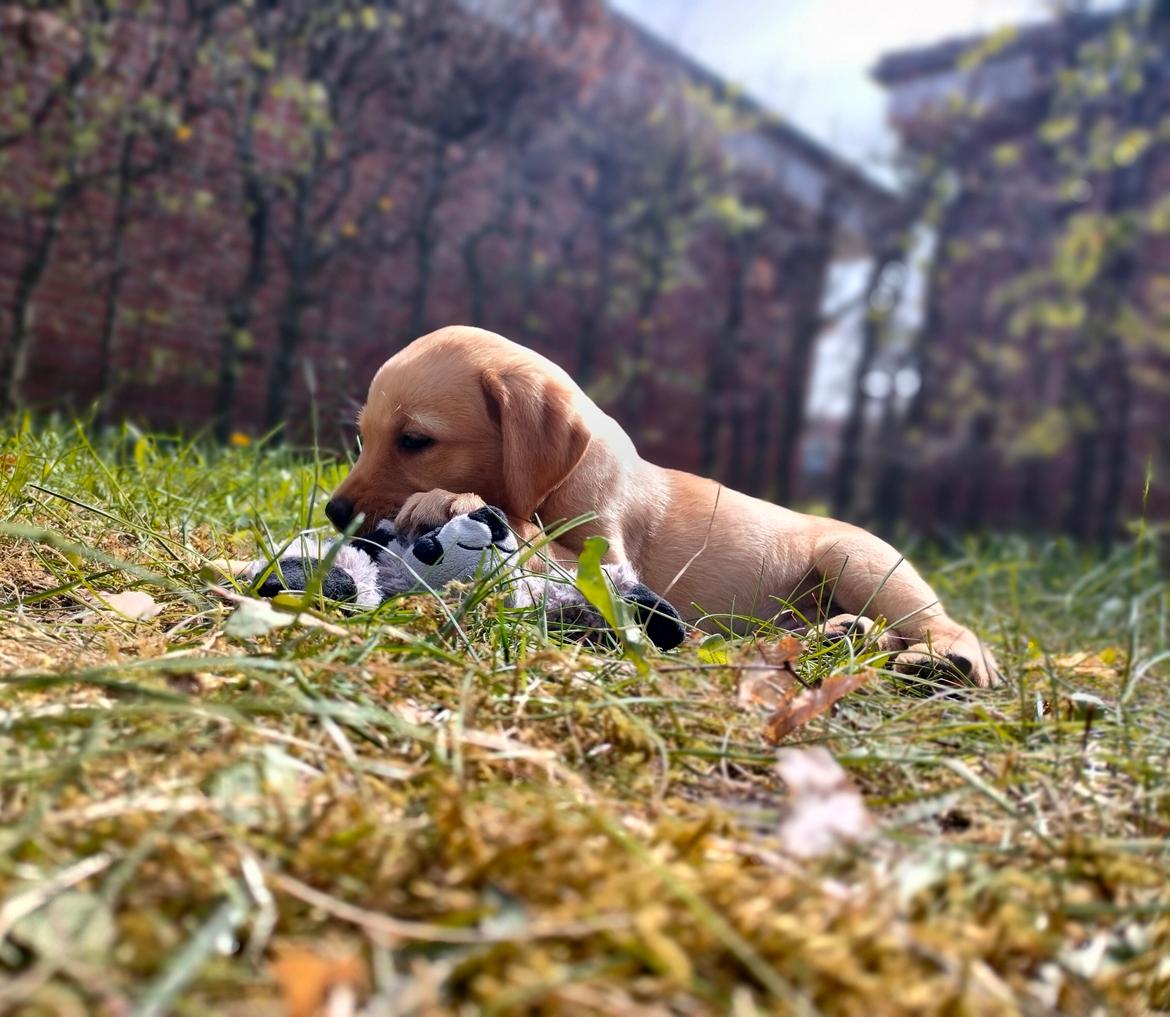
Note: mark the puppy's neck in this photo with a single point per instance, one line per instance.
(613, 481)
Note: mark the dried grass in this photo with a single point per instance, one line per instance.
(378, 822)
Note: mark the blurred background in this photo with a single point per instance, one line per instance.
(908, 262)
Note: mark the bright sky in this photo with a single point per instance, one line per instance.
(808, 59)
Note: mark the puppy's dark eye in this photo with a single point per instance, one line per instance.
(414, 442)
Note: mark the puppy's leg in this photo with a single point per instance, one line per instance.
(866, 575)
(428, 509)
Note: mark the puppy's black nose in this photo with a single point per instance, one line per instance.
(340, 512)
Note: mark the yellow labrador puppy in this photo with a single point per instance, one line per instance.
(464, 417)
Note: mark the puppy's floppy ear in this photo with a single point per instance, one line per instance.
(542, 434)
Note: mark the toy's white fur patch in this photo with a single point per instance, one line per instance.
(556, 589)
(467, 551)
(364, 572)
(311, 545)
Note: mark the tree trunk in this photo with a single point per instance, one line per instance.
(239, 316)
(472, 243)
(588, 338)
(1079, 511)
(424, 243)
(754, 483)
(806, 329)
(289, 334)
(1117, 449)
(648, 297)
(300, 255)
(873, 326)
(20, 346)
(111, 314)
(890, 490)
(721, 361)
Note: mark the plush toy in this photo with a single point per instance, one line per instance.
(365, 571)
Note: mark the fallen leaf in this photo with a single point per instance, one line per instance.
(266, 785)
(73, 926)
(713, 650)
(770, 689)
(132, 604)
(310, 978)
(826, 808)
(781, 653)
(777, 683)
(800, 710)
(253, 617)
(1105, 664)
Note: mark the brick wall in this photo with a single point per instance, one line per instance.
(186, 244)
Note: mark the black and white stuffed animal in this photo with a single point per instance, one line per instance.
(368, 570)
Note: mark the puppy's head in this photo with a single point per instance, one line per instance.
(466, 411)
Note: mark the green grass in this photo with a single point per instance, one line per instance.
(433, 816)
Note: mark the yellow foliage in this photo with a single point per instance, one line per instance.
(1059, 129)
(1043, 438)
(1007, 155)
(1080, 250)
(1130, 147)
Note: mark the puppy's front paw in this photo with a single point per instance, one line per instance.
(428, 509)
(953, 658)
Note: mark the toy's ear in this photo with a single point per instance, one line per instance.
(542, 434)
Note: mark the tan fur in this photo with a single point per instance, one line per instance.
(512, 429)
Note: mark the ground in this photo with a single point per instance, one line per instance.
(438, 808)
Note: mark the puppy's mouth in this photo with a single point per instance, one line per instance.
(371, 520)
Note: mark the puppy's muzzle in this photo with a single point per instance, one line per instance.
(340, 512)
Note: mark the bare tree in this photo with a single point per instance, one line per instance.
(54, 134)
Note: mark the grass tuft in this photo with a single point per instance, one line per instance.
(437, 805)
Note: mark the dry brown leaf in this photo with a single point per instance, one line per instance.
(781, 653)
(768, 689)
(309, 977)
(800, 710)
(775, 684)
(826, 808)
(1102, 665)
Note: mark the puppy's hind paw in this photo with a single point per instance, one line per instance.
(959, 666)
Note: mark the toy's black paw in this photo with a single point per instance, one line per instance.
(658, 617)
(294, 574)
(427, 548)
(495, 520)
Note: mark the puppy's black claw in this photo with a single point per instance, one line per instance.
(960, 663)
(934, 670)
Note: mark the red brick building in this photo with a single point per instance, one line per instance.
(296, 205)
(1044, 347)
